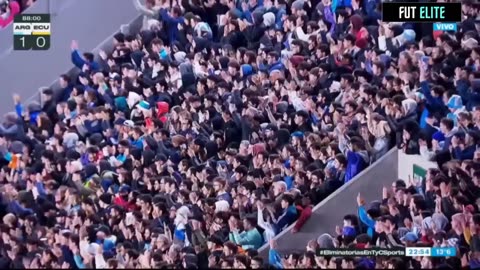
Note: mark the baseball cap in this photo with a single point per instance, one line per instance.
(129, 123)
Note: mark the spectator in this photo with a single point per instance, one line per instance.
(149, 10)
(8, 10)
(379, 128)
(306, 212)
(85, 62)
(219, 112)
(250, 238)
(172, 21)
(357, 156)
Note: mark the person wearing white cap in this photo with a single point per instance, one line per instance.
(455, 106)
(221, 206)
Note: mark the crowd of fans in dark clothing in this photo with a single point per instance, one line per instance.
(222, 123)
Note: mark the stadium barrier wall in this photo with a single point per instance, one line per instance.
(91, 22)
(330, 212)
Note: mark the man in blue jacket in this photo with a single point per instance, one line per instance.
(289, 214)
(448, 129)
(364, 217)
(172, 20)
(357, 156)
(248, 8)
(85, 62)
(370, 8)
(433, 100)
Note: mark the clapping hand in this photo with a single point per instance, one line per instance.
(412, 206)
(338, 230)
(385, 193)
(260, 206)
(413, 182)
(355, 5)
(244, 6)
(340, 19)
(16, 99)
(74, 45)
(232, 225)
(359, 199)
(438, 204)
(138, 235)
(167, 232)
(103, 54)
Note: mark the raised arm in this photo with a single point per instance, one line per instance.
(141, 8)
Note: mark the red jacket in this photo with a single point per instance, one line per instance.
(14, 10)
(162, 110)
(437, 34)
(304, 216)
(361, 34)
(124, 204)
(426, 239)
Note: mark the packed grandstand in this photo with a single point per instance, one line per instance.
(222, 123)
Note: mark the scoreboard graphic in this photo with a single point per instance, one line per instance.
(31, 32)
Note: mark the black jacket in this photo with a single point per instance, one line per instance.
(253, 34)
(50, 108)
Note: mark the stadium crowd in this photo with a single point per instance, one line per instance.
(223, 122)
